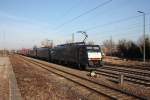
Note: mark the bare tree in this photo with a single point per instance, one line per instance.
(109, 47)
(47, 43)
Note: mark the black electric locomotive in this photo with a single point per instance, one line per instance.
(84, 56)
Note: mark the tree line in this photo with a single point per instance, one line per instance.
(127, 48)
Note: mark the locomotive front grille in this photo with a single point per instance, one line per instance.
(94, 63)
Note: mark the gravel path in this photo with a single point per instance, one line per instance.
(4, 80)
(8, 85)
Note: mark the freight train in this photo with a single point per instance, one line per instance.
(83, 56)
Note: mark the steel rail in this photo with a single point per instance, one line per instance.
(88, 80)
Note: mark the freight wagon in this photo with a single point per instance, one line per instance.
(81, 55)
(43, 53)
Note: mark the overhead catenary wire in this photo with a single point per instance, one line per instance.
(88, 11)
(124, 33)
(114, 22)
(70, 9)
(114, 30)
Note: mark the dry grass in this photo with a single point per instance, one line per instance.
(38, 84)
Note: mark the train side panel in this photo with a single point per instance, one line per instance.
(43, 53)
(32, 53)
(74, 54)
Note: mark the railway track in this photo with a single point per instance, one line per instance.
(140, 67)
(103, 89)
(129, 70)
(136, 76)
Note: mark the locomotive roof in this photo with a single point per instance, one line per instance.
(76, 43)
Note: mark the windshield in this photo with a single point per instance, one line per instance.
(93, 49)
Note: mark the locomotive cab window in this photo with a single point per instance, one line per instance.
(92, 49)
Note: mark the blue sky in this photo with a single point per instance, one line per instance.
(24, 23)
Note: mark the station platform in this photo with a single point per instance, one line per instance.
(8, 84)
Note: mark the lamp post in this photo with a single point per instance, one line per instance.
(143, 33)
